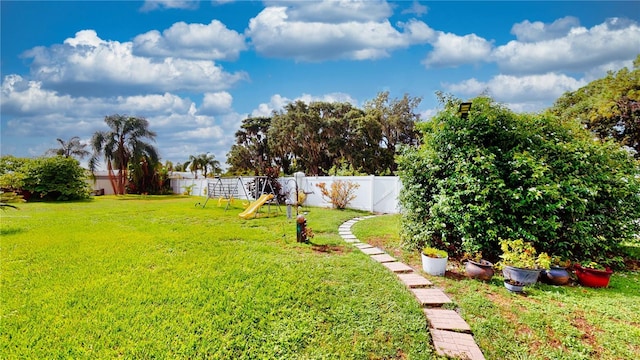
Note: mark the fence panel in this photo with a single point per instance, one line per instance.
(377, 194)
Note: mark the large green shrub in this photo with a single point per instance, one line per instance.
(48, 178)
(499, 174)
(11, 178)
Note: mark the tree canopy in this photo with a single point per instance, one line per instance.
(71, 148)
(250, 153)
(609, 107)
(320, 136)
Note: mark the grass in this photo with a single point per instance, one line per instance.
(157, 277)
(547, 322)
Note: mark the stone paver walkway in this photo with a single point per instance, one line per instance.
(383, 258)
(413, 280)
(451, 335)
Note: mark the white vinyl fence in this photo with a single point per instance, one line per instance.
(377, 194)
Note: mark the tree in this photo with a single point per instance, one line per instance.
(313, 137)
(206, 163)
(49, 178)
(122, 145)
(251, 151)
(11, 174)
(148, 177)
(73, 147)
(498, 174)
(340, 135)
(168, 165)
(56, 178)
(320, 136)
(179, 167)
(284, 135)
(395, 120)
(193, 164)
(608, 107)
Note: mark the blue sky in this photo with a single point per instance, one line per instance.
(196, 69)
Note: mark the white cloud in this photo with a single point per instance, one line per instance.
(417, 9)
(336, 11)
(213, 41)
(31, 102)
(450, 50)
(275, 33)
(150, 5)
(40, 115)
(419, 32)
(527, 31)
(23, 97)
(523, 92)
(599, 71)
(216, 103)
(278, 102)
(427, 114)
(89, 65)
(540, 48)
(330, 98)
(580, 49)
(208, 133)
(155, 104)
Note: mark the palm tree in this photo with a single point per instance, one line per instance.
(179, 167)
(203, 162)
(8, 197)
(193, 164)
(73, 147)
(208, 163)
(120, 146)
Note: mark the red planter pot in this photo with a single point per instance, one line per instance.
(592, 277)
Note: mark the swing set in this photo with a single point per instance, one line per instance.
(226, 189)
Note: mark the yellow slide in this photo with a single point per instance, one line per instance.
(254, 206)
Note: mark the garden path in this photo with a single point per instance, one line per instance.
(451, 335)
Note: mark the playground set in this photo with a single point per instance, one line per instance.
(226, 189)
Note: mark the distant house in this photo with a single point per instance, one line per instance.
(102, 185)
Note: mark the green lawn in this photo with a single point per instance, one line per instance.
(157, 277)
(548, 322)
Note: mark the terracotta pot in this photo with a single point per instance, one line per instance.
(482, 270)
(523, 276)
(556, 276)
(592, 277)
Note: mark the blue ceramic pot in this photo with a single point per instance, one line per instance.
(523, 276)
(556, 276)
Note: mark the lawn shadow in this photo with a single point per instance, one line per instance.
(11, 231)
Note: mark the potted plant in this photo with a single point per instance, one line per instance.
(520, 262)
(434, 261)
(592, 274)
(558, 274)
(513, 286)
(478, 268)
